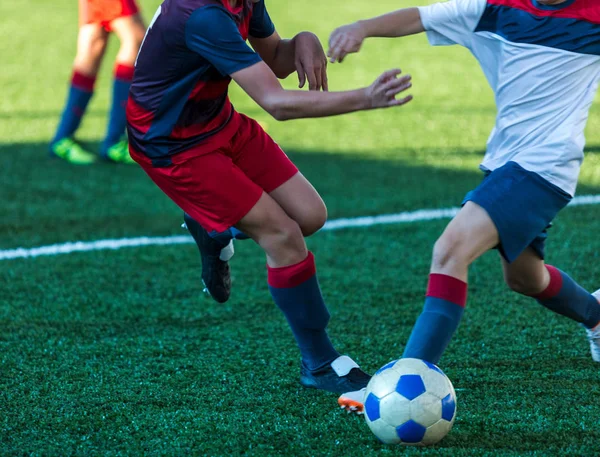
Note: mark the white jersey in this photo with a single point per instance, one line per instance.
(543, 63)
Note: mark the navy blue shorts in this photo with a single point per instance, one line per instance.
(522, 205)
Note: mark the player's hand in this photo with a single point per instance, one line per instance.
(310, 61)
(382, 93)
(345, 40)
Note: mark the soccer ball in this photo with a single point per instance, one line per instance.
(410, 401)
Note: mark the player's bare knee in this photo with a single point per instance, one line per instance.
(89, 55)
(132, 42)
(128, 53)
(523, 285)
(289, 236)
(284, 242)
(446, 252)
(314, 222)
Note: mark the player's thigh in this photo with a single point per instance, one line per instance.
(468, 236)
(265, 163)
(130, 30)
(91, 46)
(527, 274)
(302, 202)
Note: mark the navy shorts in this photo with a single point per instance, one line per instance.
(522, 205)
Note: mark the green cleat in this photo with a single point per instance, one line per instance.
(68, 149)
(119, 153)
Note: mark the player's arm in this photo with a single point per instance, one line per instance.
(212, 33)
(446, 23)
(349, 38)
(262, 85)
(302, 54)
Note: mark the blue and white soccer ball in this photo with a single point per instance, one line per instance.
(410, 401)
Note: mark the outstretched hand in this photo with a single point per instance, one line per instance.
(310, 61)
(345, 40)
(382, 93)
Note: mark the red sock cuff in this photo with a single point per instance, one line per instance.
(124, 72)
(555, 285)
(83, 82)
(292, 275)
(447, 288)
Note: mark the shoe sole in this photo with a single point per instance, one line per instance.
(351, 406)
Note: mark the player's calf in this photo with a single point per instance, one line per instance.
(470, 234)
(295, 289)
(564, 296)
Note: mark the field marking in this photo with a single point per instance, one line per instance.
(336, 224)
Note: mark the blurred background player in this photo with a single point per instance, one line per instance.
(224, 170)
(542, 60)
(97, 19)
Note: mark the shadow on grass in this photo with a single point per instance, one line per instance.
(48, 200)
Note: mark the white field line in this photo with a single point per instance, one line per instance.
(337, 224)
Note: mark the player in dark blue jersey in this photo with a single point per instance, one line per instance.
(221, 167)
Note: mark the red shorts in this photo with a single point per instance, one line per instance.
(105, 11)
(218, 188)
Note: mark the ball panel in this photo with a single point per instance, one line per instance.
(433, 367)
(449, 407)
(436, 383)
(383, 383)
(426, 410)
(387, 366)
(410, 366)
(384, 432)
(394, 409)
(436, 432)
(411, 432)
(372, 407)
(410, 386)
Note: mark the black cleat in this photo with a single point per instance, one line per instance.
(215, 254)
(342, 375)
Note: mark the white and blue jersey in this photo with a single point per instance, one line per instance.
(543, 63)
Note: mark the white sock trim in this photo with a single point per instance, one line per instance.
(227, 252)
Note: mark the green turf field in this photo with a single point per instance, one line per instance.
(119, 353)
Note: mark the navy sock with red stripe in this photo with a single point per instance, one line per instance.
(80, 94)
(117, 120)
(296, 292)
(564, 296)
(443, 310)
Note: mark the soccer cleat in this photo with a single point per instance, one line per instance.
(594, 335)
(353, 402)
(119, 153)
(215, 253)
(342, 375)
(71, 151)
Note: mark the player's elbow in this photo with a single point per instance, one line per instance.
(281, 115)
(277, 108)
(280, 73)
